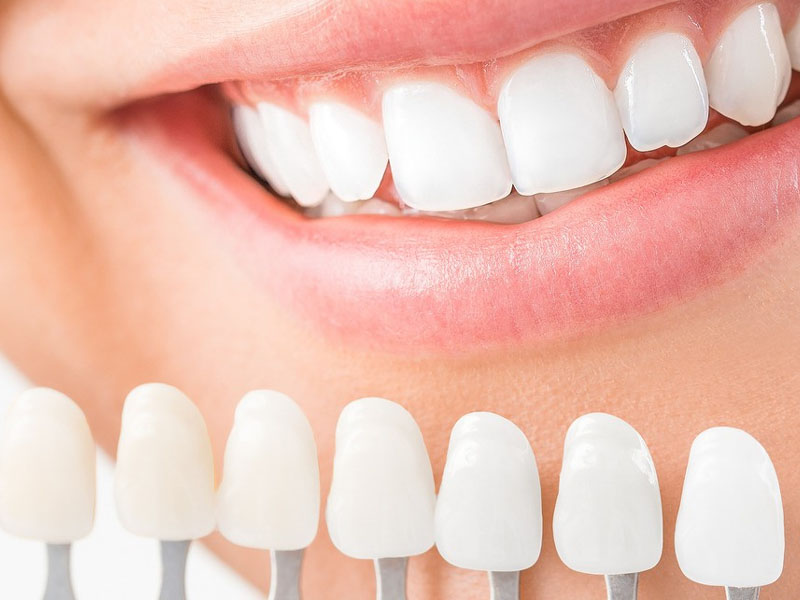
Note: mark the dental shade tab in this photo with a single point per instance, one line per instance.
(608, 518)
(269, 496)
(730, 529)
(47, 470)
(489, 508)
(382, 498)
(164, 481)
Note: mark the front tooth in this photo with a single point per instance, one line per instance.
(164, 482)
(253, 141)
(489, 510)
(382, 498)
(729, 530)
(719, 136)
(269, 495)
(295, 158)
(661, 93)
(749, 70)
(547, 203)
(446, 152)
(47, 469)
(607, 519)
(351, 149)
(560, 124)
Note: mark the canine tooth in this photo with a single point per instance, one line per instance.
(47, 468)
(638, 167)
(269, 495)
(793, 42)
(729, 530)
(749, 71)
(560, 124)
(661, 93)
(253, 142)
(719, 136)
(351, 149)
(607, 519)
(164, 482)
(445, 151)
(489, 510)
(547, 203)
(293, 152)
(381, 502)
(787, 113)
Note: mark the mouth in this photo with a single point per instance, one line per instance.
(563, 180)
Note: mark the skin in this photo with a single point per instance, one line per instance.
(114, 274)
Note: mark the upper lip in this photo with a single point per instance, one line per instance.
(373, 34)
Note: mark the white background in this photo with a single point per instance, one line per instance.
(110, 563)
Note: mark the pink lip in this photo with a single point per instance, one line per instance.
(375, 33)
(403, 284)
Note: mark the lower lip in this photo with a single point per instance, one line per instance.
(429, 285)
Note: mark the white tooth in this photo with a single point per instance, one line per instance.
(787, 113)
(333, 206)
(269, 495)
(607, 519)
(729, 530)
(748, 73)
(719, 136)
(661, 93)
(510, 211)
(560, 124)
(351, 149)
(445, 151)
(547, 203)
(47, 469)
(382, 498)
(376, 206)
(294, 155)
(793, 42)
(489, 510)
(253, 141)
(164, 482)
(638, 167)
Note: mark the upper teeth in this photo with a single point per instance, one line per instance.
(562, 128)
(661, 93)
(749, 69)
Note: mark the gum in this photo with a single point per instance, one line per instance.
(606, 47)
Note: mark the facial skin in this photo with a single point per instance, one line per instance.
(114, 274)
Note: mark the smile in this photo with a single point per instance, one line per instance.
(548, 184)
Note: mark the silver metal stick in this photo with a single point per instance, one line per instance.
(622, 587)
(390, 578)
(734, 593)
(284, 579)
(173, 569)
(59, 581)
(504, 585)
